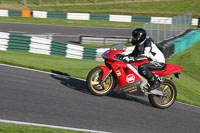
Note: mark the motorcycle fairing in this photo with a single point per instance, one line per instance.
(105, 70)
(112, 53)
(129, 88)
(170, 69)
(124, 74)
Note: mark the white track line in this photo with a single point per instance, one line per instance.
(49, 126)
(188, 104)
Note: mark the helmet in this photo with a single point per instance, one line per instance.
(138, 36)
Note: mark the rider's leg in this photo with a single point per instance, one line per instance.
(145, 71)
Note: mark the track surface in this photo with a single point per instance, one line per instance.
(43, 98)
(36, 97)
(62, 33)
(69, 34)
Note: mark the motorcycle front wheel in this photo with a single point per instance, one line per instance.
(95, 84)
(170, 93)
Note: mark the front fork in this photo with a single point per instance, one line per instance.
(106, 73)
(106, 76)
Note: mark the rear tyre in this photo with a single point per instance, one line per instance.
(95, 84)
(170, 93)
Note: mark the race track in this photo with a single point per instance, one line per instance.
(69, 34)
(45, 98)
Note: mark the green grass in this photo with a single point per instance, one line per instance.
(103, 45)
(168, 8)
(187, 85)
(67, 66)
(15, 128)
(44, 2)
(52, 21)
(189, 82)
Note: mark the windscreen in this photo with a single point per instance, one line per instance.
(118, 47)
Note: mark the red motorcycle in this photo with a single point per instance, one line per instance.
(124, 77)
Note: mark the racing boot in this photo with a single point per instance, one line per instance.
(154, 83)
(154, 87)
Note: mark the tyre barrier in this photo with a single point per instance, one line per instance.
(16, 42)
(167, 49)
(22, 43)
(184, 42)
(180, 43)
(87, 16)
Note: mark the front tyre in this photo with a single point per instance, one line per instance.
(95, 84)
(170, 93)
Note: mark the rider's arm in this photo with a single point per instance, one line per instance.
(131, 59)
(148, 49)
(140, 58)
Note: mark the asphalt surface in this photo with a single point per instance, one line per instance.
(44, 98)
(69, 34)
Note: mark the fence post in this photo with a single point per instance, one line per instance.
(57, 2)
(95, 2)
(24, 2)
(40, 2)
(76, 1)
(198, 26)
(115, 1)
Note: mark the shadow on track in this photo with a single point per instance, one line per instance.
(80, 85)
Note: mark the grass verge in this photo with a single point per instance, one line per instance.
(189, 81)
(103, 45)
(89, 23)
(15, 128)
(67, 66)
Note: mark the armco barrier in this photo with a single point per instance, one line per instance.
(87, 16)
(103, 40)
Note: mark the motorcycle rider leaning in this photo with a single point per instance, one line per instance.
(146, 49)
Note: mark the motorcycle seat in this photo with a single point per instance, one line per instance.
(162, 67)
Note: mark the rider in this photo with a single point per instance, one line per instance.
(146, 49)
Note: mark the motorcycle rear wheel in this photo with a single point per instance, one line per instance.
(170, 93)
(94, 82)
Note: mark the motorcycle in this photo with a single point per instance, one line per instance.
(124, 77)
